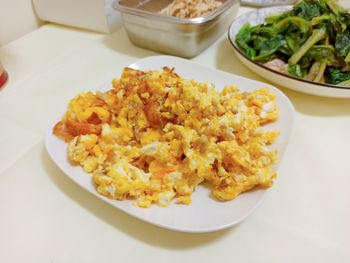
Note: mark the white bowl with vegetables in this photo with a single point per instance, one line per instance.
(305, 47)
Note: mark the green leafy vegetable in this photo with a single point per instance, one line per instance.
(336, 76)
(243, 38)
(296, 71)
(293, 41)
(307, 10)
(269, 47)
(342, 43)
(325, 54)
(313, 38)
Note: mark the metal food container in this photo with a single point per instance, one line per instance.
(182, 37)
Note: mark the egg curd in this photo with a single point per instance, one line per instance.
(154, 137)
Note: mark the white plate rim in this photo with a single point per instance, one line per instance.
(167, 60)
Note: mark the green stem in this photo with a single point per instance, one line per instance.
(336, 9)
(347, 58)
(317, 35)
(315, 68)
(301, 23)
(320, 74)
(319, 19)
(345, 83)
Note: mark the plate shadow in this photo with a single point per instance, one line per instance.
(145, 232)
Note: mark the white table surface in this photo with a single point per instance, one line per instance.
(47, 218)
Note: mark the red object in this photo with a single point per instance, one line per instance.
(3, 78)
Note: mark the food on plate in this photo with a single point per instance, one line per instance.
(311, 42)
(154, 137)
(190, 8)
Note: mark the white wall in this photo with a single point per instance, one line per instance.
(17, 17)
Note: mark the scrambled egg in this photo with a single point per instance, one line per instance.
(154, 137)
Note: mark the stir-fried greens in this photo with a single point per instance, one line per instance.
(311, 41)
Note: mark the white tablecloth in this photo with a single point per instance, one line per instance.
(47, 218)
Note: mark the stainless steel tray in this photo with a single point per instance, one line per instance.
(171, 35)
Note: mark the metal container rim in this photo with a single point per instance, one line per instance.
(198, 20)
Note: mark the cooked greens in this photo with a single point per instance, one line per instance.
(313, 39)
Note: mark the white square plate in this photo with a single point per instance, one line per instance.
(204, 214)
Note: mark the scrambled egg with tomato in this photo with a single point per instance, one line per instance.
(154, 137)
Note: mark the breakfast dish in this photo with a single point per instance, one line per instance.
(190, 8)
(205, 213)
(156, 136)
